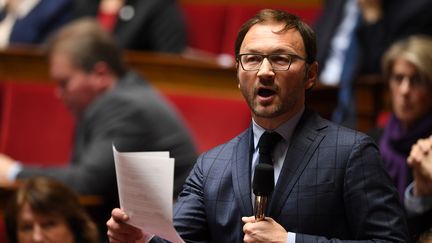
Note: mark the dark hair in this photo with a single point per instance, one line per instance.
(87, 43)
(290, 20)
(50, 197)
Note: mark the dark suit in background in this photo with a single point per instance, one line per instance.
(155, 25)
(43, 20)
(401, 18)
(326, 26)
(134, 117)
(332, 186)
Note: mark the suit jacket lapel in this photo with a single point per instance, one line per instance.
(241, 158)
(304, 142)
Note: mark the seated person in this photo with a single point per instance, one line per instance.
(351, 46)
(418, 195)
(45, 210)
(112, 105)
(407, 67)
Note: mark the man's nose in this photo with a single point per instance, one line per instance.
(266, 68)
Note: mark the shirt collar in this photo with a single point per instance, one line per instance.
(286, 129)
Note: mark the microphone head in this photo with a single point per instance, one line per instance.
(263, 181)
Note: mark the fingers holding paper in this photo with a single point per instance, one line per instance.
(119, 230)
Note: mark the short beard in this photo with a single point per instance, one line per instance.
(275, 111)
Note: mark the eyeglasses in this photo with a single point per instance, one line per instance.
(279, 62)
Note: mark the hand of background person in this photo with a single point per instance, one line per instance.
(420, 159)
(6, 164)
(266, 230)
(120, 231)
(371, 10)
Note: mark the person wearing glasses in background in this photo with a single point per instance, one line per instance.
(329, 181)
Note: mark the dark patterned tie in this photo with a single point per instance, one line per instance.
(263, 181)
(266, 144)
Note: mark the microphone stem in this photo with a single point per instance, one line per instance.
(260, 207)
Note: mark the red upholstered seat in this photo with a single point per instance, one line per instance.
(211, 120)
(2, 229)
(205, 26)
(35, 126)
(236, 15)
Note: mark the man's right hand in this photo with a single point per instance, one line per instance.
(120, 231)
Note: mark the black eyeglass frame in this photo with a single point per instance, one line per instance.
(264, 56)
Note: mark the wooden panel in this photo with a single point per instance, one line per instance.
(168, 72)
(173, 72)
(372, 98)
(23, 62)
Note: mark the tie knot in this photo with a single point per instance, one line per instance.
(267, 142)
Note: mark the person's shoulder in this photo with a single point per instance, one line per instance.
(337, 132)
(315, 121)
(376, 133)
(347, 132)
(228, 147)
(132, 78)
(132, 86)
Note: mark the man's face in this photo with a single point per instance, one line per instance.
(75, 87)
(411, 97)
(275, 96)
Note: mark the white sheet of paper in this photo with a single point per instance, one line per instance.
(145, 184)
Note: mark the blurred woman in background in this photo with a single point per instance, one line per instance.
(407, 65)
(45, 210)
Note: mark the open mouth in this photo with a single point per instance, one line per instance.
(263, 92)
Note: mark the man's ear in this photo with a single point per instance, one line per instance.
(237, 73)
(102, 75)
(100, 68)
(311, 75)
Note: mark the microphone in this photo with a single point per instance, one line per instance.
(263, 185)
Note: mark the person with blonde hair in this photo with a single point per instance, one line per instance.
(46, 210)
(407, 67)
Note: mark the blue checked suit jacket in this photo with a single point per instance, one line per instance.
(332, 188)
